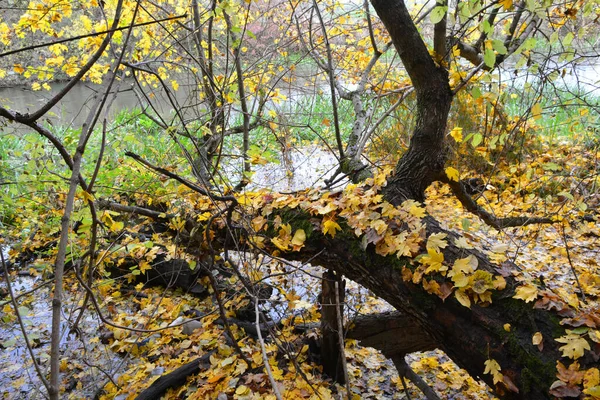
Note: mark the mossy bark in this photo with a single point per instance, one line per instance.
(470, 336)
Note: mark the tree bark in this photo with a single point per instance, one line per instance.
(423, 162)
(470, 336)
(331, 356)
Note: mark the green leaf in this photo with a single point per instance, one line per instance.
(550, 166)
(568, 39)
(23, 310)
(498, 45)
(466, 224)
(437, 14)
(489, 58)
(487, 28)
(477, 139)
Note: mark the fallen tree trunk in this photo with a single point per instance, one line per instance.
(470, 336)
(392, 333)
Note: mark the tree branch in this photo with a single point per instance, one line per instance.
(459, 190)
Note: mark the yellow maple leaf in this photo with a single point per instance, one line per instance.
(456, 134)
(480, 282)
(462, 243)
(298, 239)
(436, 241)
(460, 280)
(536, 111)
(594, 335)
(499, 282)
(452, 174)
(414, 208)
(326, 208)
(591, 378)
(526, 292)
(258, 223)
(242, 390)
(463, 298)
(330, 227)
(574, 346)
(493, 368)
(258, 241)
(281, 243)
(593, 391)
(463, 266)
(434, 260)
(379, 225)
(507, 4)
(144, 266)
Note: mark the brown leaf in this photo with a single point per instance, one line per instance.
(561, 389)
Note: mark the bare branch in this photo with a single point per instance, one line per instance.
(70, 39)
(459, 190)
(439, 34)
(179, 179)
(264, 352)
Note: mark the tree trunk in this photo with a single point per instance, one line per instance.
(331, 356)
(470, 336)
(423, 163)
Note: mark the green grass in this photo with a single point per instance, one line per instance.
(563, 116)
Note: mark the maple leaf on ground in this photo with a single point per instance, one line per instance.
(436, 241)
(526, 292)
(282, 244)
(562, 389)
(462, 243)
(574, 346)
(414, 208)
(591, 379)
(463, 265)
(571, 375)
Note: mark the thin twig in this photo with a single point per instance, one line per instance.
(405, 387)
(37, 46)
(564, 237)
(179, 179)
(264, 352)
(34, 289)
(114, 325)
(331, 76)
(341, 337)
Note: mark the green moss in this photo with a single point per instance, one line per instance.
(536, 372)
